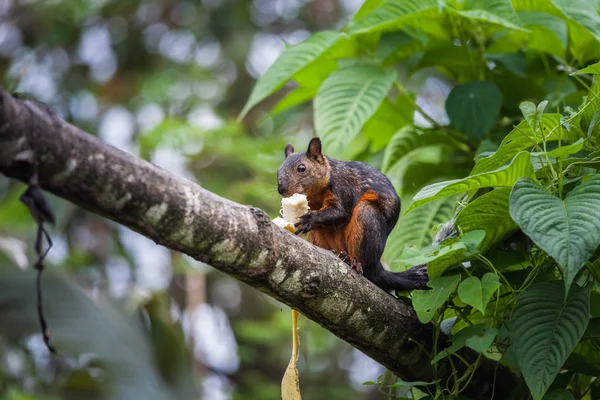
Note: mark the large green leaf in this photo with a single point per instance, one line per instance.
(294, 98)
(497, 12)
(415, 228)
(394, 15)
(546, 33)
(411, 138)
(563, 151)
(489, 212)
(473, 107)
(584, 12)
(522, 137)
(467, 242)
(545, 328)
(581, 17)
(593, 69)
(568, 230)
(417, 174)
(478, 293)
(440, 257)
(389, 117)
(394, 47)
(347, 99)
(366, 8)
(426, 302)
(293, 60)
(502, 177)
(460, 249)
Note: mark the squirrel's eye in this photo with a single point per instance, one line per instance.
(301, 168)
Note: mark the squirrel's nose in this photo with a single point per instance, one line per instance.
(280, 189)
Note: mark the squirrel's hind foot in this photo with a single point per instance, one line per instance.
(355, 265)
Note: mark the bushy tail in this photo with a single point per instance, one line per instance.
(414, 278)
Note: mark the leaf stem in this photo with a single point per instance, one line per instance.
(588, 389)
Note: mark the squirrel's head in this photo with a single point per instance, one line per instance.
(305, 173)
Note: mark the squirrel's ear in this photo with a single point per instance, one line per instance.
(314, 149)
(289, 150)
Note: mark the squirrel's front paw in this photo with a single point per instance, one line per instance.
(305, 223)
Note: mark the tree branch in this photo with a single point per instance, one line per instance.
(238, 240)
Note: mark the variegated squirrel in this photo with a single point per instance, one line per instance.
(354, 207)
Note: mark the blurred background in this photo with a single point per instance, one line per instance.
(164, 80)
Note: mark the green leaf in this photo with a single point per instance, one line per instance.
(546, 33)
(417, 174)
(582, 11)
(411, 138)
(431, 253)
(295, 97)
(533, 114)
(426, 302)
(366, 8)
(484, 341)
(474, 107)
(593, 124)
(563, 151)
(478, 293)
(582, 19)
(522, 137)
(502, 177)
(593, 69)
(489, 212)
(477, 337)
(394, 15)
(314, 74)
(461, 249)
(497, 12)
(293, 60)
(451, 58)
(545, 329)
(389, 117)
(568, 230)
(559, 394)
(415, 229)
(589, 108)
(347, 99)
(394, 47)
(515, 63)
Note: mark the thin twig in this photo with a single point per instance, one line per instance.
(433, 122)
(41, 212)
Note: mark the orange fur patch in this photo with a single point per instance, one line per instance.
(321, 200)
(369, 195)
(328, 239)
(353, 233)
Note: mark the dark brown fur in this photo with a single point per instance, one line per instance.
(354, 207)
